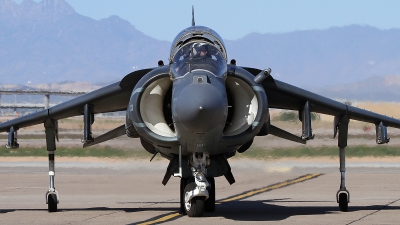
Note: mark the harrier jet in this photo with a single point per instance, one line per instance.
(198, 111)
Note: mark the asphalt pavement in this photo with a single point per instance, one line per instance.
(130, 192)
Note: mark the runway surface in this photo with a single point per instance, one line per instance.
(130, 192)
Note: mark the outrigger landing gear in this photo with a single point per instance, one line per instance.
(52, 198)
(195, 193)
(343, 195)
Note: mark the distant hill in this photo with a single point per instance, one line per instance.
(334, 56)
(49, 42)
(375, 88)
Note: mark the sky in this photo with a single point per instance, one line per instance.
(234, 19)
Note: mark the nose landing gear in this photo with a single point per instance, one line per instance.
(197, 193)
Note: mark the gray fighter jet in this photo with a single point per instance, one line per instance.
(198, 111)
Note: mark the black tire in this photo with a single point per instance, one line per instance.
(182, 194)
(343, 204)
(52, 202)
(209, 204)
(196, 206)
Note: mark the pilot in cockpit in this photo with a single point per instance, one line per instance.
(198, 55)
(199, 51)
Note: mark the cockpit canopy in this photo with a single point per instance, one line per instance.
(198, 55)
(198, 48)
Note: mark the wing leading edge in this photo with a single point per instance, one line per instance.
(114, 97)
(285, 96)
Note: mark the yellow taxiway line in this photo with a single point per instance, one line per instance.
(247, 194)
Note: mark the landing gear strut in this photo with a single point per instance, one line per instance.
(52, 197)
(343, 195)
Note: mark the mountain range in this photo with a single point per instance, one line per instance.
(49, 42)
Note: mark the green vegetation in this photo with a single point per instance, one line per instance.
(293, 116)
(253, 152)
(288, 116)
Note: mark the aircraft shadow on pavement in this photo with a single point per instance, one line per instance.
(268, 210)
(125, 209)
(262, 210)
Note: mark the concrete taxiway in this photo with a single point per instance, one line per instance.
(130, 192)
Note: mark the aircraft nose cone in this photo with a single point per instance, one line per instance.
(200, 107)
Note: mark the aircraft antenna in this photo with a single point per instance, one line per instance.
(193, 24)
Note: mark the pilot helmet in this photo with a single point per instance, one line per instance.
(197, 48)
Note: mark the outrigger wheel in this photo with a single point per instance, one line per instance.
(52, 202)
(343, 202)
(195, 207)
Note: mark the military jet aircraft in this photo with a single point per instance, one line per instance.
(198, 111)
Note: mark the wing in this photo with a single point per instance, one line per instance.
(114, 97)
(285, 96)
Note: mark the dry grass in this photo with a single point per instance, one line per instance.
(105, 123)
(385, 108)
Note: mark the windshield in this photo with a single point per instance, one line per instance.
(198, 56)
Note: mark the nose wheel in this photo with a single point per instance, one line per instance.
(195, 206)
(209, 204)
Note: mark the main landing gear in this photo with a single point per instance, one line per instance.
(197, 193)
